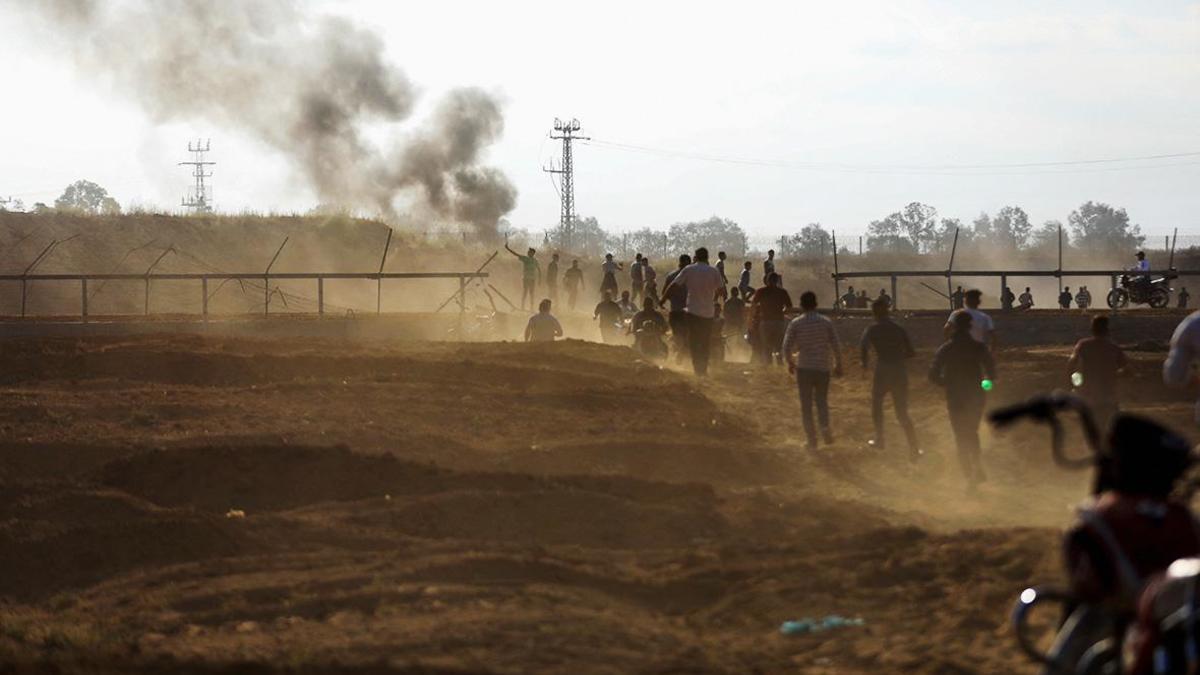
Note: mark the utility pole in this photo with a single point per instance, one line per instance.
(200, 199)
(566, 132)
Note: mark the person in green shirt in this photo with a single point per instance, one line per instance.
(531, 272)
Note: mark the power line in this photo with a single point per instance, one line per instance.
(1086, 165)
(567, 216)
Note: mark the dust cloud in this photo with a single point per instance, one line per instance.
(306, 85)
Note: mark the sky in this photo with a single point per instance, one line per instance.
(775, 115)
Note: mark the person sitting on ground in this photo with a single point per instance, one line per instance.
(609, 314)
(744, 281)
(628, 308)
(1093, 367)
(1064, 298)
(983, 329)
(543, 327)
(1184, 296)
(893, 349)
(1026, 299)
(1007, 298)
(960, 366)
(770, 304)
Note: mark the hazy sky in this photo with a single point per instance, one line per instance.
(844, 110)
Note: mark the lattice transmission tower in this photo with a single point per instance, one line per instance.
(566, 132)
(200, 198)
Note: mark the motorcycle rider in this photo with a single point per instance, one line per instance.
(1130, 531)
(648, 326)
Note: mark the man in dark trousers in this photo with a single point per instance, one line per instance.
(1064, 298)
(675, 315)
(767, 308)
(1184, 296)
(809, 345)
(892, 350)
(573, 280)
(961, 366)
(608, 313)
(702, 283)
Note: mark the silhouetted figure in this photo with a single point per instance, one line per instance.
(649, 280)
(769, 265)
(1026, 299)
(1184, 296)
(768, 308)
(982, 327)
(552, 278)
(1007, 298)
(721, 257)
(609, 314)
(676, 297)
(636, 278)
(573, 281)
(543, 327)
(892, 351)
(1093, 367)
(960, 366)
(883, 295)
(849, 299)
(1083, 299)
(735, 313)
(1064, 298)
(956, 298)
(744, 281)
(609, 268)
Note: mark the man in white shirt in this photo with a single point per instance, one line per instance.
(983, 329)
(703, 283)
(1142, 264)
(543, 327)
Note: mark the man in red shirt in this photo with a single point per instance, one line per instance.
(767, 311)
(1093, 367)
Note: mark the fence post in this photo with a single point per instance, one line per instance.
(83, 307)
(204, 297)
(321, 296)
(895, 294)
(146, 309)
(1003, 288)
(462, 295)
(23, 296)
(266, 295)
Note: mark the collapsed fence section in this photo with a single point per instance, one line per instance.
(25, 280)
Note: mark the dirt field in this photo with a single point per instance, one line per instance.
(498, 507)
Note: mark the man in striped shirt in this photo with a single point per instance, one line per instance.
(809, 345)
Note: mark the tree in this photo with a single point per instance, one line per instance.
(717, 234)
(918, 222)
(944, 241)
(1101, 228)
(651, 243)
(10, 204)
(812, 241)
(586, 238)
(886, 236)
(982, 226)
(85, 196)
(1046, 236)
(1011, 228)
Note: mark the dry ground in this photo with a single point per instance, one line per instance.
(497, 508)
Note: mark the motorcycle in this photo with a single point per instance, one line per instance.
(1141, 290)
(1091, 640)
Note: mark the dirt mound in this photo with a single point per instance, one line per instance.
(58, 536)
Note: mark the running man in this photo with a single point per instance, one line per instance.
(701, 283)
(552, 278)
(735, 313)
(982, 327)
(610, 268)
(1093, 367)
(892, 350)
(609, 314)
(768, 308)
(809, 345)
(543, 327)
(960, 366)
(530, 272)
(573, 281)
